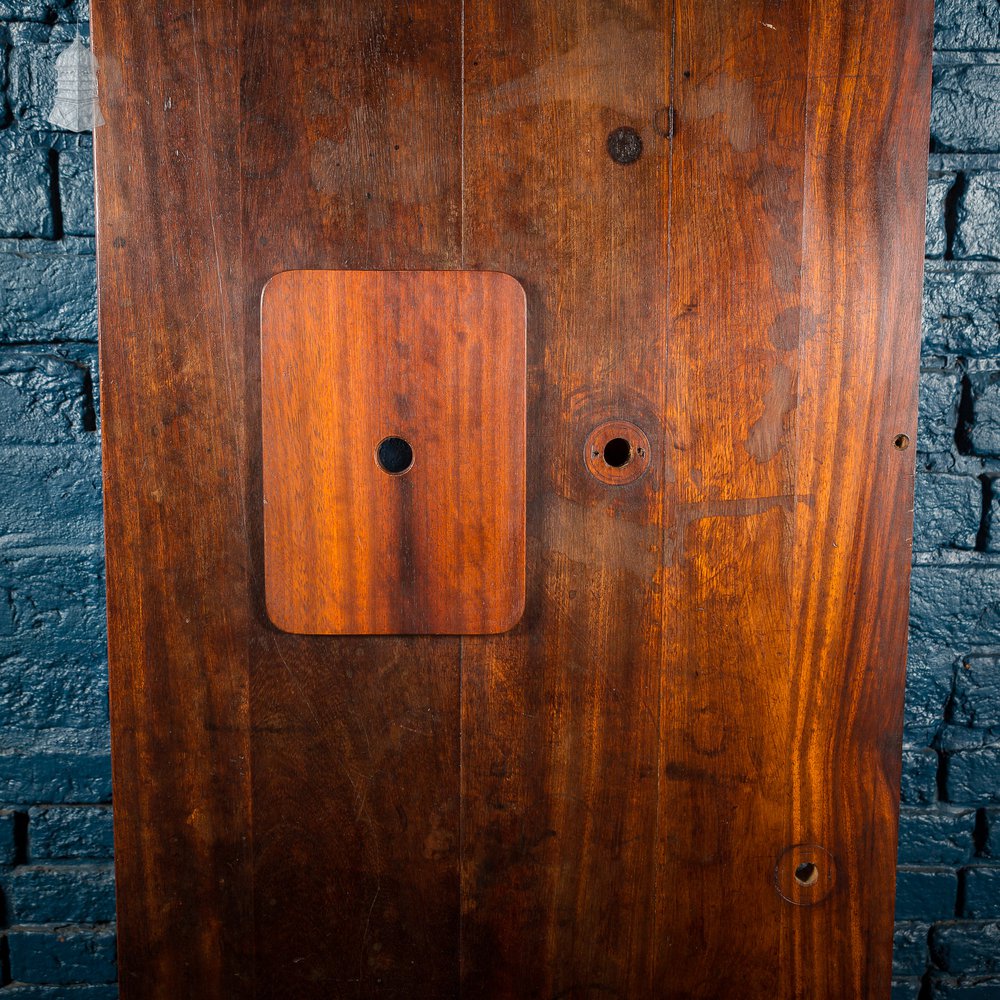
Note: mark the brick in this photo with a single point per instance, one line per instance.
(76, 191)
(55, 686)
(966, 24)
(973, 775)
(946, 988)
(952, 609)
(937, 414)
(936, 836)
(26, 194)
(926, 894)
(70, 832)
(57, 594)
(66, 776)
(47, 296)
(930, 673)
(50, 494)
(982, 892)
(47, 396)
(965, 111)
(984, 434)
(919, 778)
(62, 954)
(961, 311)
(936, 239)
(977, 231)
(966, 947)
(956, 605)
(906, 988)
(8, 837)
(23, 991)
(45, 894)
(947, 512)
(977, 692)
(55, 766)
(909, 948)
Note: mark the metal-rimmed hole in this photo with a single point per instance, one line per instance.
(394, 455)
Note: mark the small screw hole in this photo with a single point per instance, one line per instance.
(806, 873)
(902, 442)
(394, 455)
(618, 453)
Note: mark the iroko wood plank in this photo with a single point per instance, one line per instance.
(560, 742)
(176, 447)
(351, 159)
(393, 451)
(733, 390)
(798, 162)
(703, 696)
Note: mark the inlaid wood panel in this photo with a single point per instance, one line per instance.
(393, 445)
(676, 776)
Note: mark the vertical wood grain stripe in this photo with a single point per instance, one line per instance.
(351, 159)
(560, 716)
(869, 97)
(732, 389)
(176, 444)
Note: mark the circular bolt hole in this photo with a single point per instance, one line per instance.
(394, 455)
(902, 442)
(624, 145)
(806, 873)
(618, 453)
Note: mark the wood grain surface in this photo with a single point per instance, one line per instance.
(434, 359)
(677, 775)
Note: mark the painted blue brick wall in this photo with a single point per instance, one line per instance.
(56, 880)
(948, 884)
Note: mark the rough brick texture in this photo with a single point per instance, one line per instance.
(56, 878)
(55, 833)
(44, 894)
(948, 883)
(967, 25)
(26, 177)
(965, 114)
(62, 954)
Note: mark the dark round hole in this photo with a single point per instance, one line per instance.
(394, 455)
(617, 453)
(902, 441)
(624, 145)
(806, 873)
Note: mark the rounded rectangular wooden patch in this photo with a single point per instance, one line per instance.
(393, 407)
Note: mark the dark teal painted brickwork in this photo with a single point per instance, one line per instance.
(56, 880)
(948, 885)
